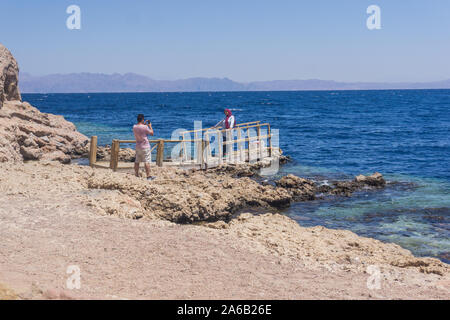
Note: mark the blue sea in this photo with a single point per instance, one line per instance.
(404, 134)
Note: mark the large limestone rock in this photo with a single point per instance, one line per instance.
(25, 132)
(9, 77)
(374, 180)
(184, 196)
(28, 134)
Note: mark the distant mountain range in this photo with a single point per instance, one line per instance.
(131, 82)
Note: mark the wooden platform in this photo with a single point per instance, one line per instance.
(214, 162)
(247, 142)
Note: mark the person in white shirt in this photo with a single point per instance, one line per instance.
(227, 123)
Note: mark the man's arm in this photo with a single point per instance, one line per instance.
(220, 124)
(150, 129)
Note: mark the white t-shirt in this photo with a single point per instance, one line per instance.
(231, 123)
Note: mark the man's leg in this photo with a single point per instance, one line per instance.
(136, 169)
(224, 148)
(147, 169)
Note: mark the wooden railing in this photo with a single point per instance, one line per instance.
(243, 153)
(236, 126)
(159, 144)
(202, 143)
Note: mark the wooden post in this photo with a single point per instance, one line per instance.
(203, 162)
(160, 153)
(199, 147)
(270, 140)
(248, 138)
(181, 152)
(93, 151)
(259, 150)
(185, 153)
(229, 146)
(240, 149)
(207, 147)
(114, 162)
(111, 158)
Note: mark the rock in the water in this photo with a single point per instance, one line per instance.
(346, 188)
(292, 181)
(375, 180)
(301, 189)
(304, 189)
(9, 77)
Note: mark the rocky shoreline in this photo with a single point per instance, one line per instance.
(40, 198)
(53, 214)
(218, 193)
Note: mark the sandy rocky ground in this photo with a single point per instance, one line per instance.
(119, 231)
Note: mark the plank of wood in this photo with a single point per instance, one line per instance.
(93, 151)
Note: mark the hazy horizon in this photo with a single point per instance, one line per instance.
(131, 82)
(28, 74)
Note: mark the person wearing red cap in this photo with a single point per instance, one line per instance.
(227, 123)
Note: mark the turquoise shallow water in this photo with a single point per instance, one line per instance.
(329, 135)
(412, 212)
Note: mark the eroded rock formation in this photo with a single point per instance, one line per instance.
(190, 196)
(361, 182)
(25, 132)
(28, 134)
(303, 189)
(9, 77)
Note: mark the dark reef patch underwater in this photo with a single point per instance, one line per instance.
(403, 134)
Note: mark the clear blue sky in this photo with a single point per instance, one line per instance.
(244, 40)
